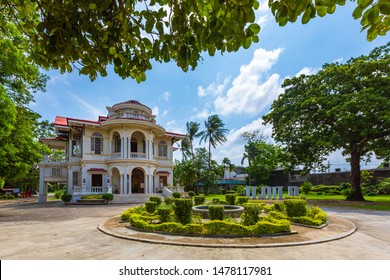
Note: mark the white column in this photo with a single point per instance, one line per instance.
(150, 149)
(130, 184)
(121, 184)
(42, 186)
(110, 147)
(125, 143)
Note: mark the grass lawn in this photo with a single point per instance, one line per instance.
(379, 202)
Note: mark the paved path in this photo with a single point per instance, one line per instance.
(54, 231)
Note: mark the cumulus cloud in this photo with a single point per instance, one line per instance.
(155, 110)
(167, 94)
(214, 89)
(307, 71)
(253, 89)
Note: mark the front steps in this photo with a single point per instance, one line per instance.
(133, 198)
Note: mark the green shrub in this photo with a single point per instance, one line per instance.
(193, 228)
(151, 206)
(156, 199)
(215, 200)
(296, 207)
(305, 220)
(230, 192)
(199, 200)
(268, 208)
(58, 194)
(270, 225)
(241, 200)
(191, 193)
(279, 206)
(306, 187)
(230, 198)
(277, 215)
(164, 211)
(7, 197)
(108, 196)
(223, 227)
(169, 227)
(91, 196)
(348, 193)
(251, 214)
(216, 212)
(183, 210)
(66, 197)
(135, 210)
(169, 200)
(176, 194)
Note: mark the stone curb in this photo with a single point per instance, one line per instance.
(110, 232)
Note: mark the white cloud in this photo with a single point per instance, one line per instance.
(167, 94)
(253, 89)
(155, 110)
(214, 89)
(165, 112)
(59, 80)
(203, 115)
(263, 13)
(307, 71)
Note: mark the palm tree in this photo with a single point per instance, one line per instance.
(215, 133)
(184, 146)
(228, 165)
(192, 132)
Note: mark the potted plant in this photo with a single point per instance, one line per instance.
(66, 198)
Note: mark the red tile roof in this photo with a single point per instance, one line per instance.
(97, 170)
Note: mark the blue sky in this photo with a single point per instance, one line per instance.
(239, 87)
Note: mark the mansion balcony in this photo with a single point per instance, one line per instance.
(83, 190)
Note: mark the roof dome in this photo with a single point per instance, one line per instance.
(131, 102)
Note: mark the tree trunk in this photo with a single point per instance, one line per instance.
(355, 177)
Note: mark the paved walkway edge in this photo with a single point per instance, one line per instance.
(110, 232)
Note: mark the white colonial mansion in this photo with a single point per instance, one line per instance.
(125, 153)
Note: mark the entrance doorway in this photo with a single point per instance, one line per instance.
(137, 181)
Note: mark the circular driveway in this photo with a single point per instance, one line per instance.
(54, 231)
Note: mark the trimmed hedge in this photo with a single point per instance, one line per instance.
(169, 200)
(108, 196)
(151, 206)
(251, 214)
(176, 194)
(296, 207)
(241, 200)
(183, 210)
(191, 193)
(230, 198)
(199, 200)
(66, 197)
(165, 212)
(156, 199)
(216, 212)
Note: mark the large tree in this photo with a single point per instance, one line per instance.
(19, 79)
(192, 133)
(374, 15)
(343, 106)
(89, 35)
(214, 133)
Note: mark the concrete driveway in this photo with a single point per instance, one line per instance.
(50, 231)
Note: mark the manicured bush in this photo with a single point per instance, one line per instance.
(230, 198)
(191, 193)
(251, 214)
(193, 228)
(7, 197)
(58, 194)
(199, 200)
(66, 197)
(296, 207)
(241, 200)
(156, 199)
(223, 227)
(215, 200)
(306, 187)
(183, 210)
(279, 206)
(108, 196)
(216, 212)
(270, 225)
(176, 194)
(307, 221)
(169, 200)
(151, 206)
(135, 210)
(164, 211)
(91, 196)
(277, 215)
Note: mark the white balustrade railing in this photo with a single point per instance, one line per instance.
(138, 155)
(89, 190)
(54, 160)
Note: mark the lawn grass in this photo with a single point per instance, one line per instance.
(379, 202)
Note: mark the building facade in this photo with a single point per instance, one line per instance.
(125, 153)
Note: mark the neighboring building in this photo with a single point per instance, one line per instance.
(125, 153)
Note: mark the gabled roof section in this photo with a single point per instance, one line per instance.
(61, 121)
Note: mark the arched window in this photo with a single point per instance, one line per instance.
(162, 149)
(117, 142)
(97, 143)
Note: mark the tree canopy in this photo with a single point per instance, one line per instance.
(89, 35)
(374, 15)
(343, 106)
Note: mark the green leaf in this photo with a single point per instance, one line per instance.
(92, 6)
(112, 50)
(254, 27)
(306, 16)
(364, 3)
(357, 13)
(247, 43)
(321, 10)
(384, 8)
